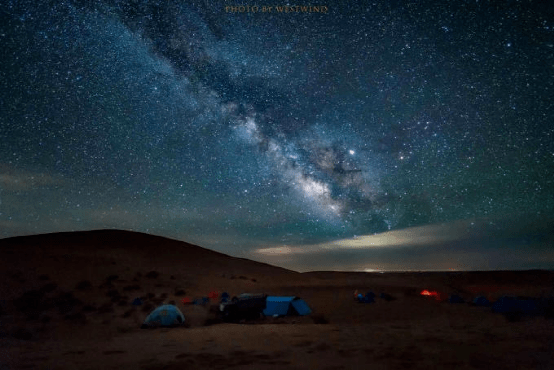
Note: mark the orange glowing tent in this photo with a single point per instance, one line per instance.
(431, 293)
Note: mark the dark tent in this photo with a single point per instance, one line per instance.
(454, 298)
(387, 297)
(244, 306)
(224, 297)
(137, 302)
(284, 306)
(526, 306)
(481, 301)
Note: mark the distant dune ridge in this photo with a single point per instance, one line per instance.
(73, 256)
(78, 299)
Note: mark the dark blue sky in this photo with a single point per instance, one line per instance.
(251, 131)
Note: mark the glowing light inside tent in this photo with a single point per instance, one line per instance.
(431, 293)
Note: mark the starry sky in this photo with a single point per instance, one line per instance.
(376, 135)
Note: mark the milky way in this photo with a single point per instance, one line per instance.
(181, 119)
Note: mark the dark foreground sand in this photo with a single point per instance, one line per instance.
(65, 303)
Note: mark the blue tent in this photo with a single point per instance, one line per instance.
(283, 306)
(166, 315)
(481, 301)
(224, 297)
(301, 307)
(369, 298)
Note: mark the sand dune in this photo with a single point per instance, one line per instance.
(66, 303)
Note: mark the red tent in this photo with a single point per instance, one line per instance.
(186, 300)
(213, 295)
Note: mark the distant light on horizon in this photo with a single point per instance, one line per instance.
(463, 245)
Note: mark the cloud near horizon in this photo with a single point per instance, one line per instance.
(460, 245)
(410, 237)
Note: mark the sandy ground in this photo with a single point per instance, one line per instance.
(66, 304)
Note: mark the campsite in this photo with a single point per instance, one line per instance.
(83, 299)
(276, 185)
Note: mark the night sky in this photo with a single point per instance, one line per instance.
(310, 140)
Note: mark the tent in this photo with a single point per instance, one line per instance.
(454, 298)
(515, 305)
(481, 301)
(243, 306)
(165, 315)
(213, 295)
(137, 302)
(283, 306)
(369, 298)
(224, 297)
(431, 293)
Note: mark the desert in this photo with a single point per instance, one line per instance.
(66, 303)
